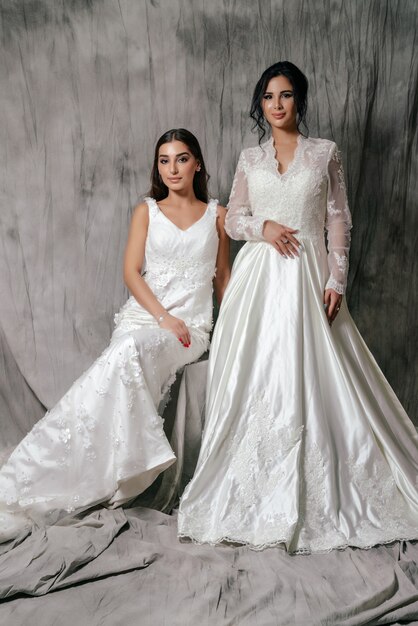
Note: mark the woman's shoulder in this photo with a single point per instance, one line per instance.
(148, 207)
(252, 156)
(253, 150)
(213, 207)
(140, 216)
(325, 146)
(141, 209)
(320, 142)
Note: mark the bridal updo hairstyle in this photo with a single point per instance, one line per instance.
(159, 190)
(300, 89)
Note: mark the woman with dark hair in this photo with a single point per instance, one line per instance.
(104, 440)
(305, 444)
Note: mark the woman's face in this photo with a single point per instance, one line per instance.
(279, 106)
(177, 165)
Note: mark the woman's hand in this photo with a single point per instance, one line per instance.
(332, 304)
(281, 237)
(177, 327)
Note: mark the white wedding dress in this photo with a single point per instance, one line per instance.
(305, 444)
(104, 440)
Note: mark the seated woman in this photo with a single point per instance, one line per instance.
(104, 440)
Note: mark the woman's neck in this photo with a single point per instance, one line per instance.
(180, 199)
(283, 136)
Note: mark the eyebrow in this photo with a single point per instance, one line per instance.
(177, 155)
(284, 91)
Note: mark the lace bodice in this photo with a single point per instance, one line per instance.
(180, 264)
(309, 196)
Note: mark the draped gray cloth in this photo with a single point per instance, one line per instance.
(86, 89)
(128, 567)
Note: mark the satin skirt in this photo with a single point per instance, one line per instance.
(104, 440)
(305, 443)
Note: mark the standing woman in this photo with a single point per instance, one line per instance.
(305, 443)
(104, 440)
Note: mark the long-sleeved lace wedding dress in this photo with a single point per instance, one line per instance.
(305, 443)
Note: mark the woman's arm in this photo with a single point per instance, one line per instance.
(338, 225)
(239, 222)
(132, 267)
(223, 270)
(133, 262)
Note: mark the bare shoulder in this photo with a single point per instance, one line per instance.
(140, 219)
(141, 213)
(141, 209)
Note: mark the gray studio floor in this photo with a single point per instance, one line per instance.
(127, 567)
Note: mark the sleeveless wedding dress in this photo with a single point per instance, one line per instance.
(104, 440)
(305, 444)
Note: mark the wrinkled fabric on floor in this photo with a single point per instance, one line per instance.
(127, 566)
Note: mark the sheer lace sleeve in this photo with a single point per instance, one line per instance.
(239, 221)
(337, 224)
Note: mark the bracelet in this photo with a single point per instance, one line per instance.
(161, 317)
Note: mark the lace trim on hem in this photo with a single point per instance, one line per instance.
(282, 542)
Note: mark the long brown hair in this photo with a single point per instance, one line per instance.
(159, 190)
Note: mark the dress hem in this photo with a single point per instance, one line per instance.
(239, 543)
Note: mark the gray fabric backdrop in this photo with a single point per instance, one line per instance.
(87, 86)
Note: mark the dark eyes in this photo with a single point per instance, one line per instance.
(182, 159)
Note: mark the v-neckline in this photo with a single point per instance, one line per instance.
(292, 162)
(182, 230)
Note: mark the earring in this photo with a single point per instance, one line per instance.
(198, 168)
